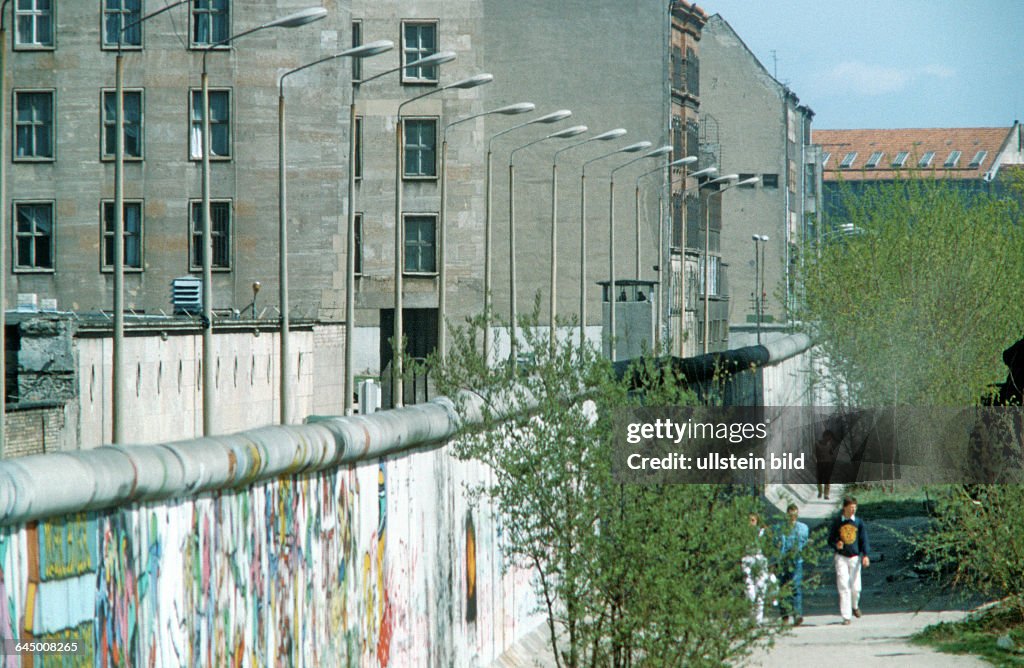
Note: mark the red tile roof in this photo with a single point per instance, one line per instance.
(917, 143)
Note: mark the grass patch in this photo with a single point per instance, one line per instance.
(876, 502)
(996, 635)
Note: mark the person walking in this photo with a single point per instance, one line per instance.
(824, 459)
(848, 537)
(755, 570)
(792, 538)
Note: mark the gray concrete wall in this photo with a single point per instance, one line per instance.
(607, 61)
(750, 109)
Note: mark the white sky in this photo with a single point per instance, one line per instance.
(891, 64)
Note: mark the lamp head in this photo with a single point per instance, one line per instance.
(554, 116)
(370, 49)
(518, 108)
(660, 151)
(707, 171)
(568, 132)
(472, 82)
(433, 59)
(728, 178)
(633, 148)
(749, 182)
(688, 160)
(610, 134)
(299, 18)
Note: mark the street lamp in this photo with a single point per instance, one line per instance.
(561, 134)
(662, 252)
(119, 407)
(658, 152)
(758, 295)
(396, 363)
(362, 51)
(730, 181)
(3, 225)
(707, 171)
(438, 58)
(442, 301)
(604, 136)
(299, 18)
(631, 148)
(553, 117)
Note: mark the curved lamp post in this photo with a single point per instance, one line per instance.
(758, 268)
(656, 153)
(362, 51)
(397, 399)
(299, 18)
(731, 181)
(707, 171)
(553, 117)
(604, 136)
(561, 134)
(438, 58)
(662, 252)
(631, 148)
(442, 301)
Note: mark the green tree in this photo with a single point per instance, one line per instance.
(628, 574)
(916, 293)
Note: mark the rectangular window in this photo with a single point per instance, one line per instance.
(33, 236)
(926, 159)
(116, 15)
(420, 244)
(713, 262)
(951, 161)
(358, 148)
(220, 234)
(900, 159)
(978, 158)
(220, 125)
(34, 24)
(420, 140)
(359, 244)
(211, 22)
(692, 72)
(848, 160)
(419, 40)
(132, 124)
(132, 235)
(875, 158)
(33, 125)
(357, 40)
(770, 180)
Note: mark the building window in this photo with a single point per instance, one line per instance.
(357, 40)
(220, 125)
(33, 236)
(211, 22)
(713, 263)
(875, 158)
(926, 159)
(132, 124)
(358, 250)
(419, 40)
(848, 160)
(116, 15)
(420, 244)
(34, 21)
(33, 125)
(824, 158)
(220, 233)
(978, 158)
(952, 160)
(358, 148)
(132, 235)
(770, 180)
(420, 139)
(692, 72)
(900, 159)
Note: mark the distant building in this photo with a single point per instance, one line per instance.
(973, 158)
(755, 126)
